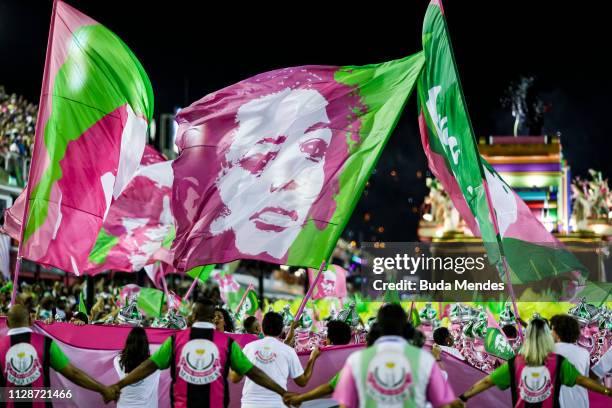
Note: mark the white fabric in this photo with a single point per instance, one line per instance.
(279, 362)
(142, 394)
(18, 330)
(203, 325)
(574, 397)
(386, 345)
(5, 256)
(453, 352)
(604, 365)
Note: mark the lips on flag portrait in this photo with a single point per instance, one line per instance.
(532, 253)
(271, 168)
(96, 103)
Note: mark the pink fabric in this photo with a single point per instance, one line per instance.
(437, 165)
(92, 348)
(526, 227)
(71, 20)
(439, 391)
(206, 137)
(346, 389)
(331, 284)
(81, 200)
(141, 220)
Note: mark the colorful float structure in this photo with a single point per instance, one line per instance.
(534, 166)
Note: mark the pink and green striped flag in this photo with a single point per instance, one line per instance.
(531, 251)
(96, 103)
(271, 168)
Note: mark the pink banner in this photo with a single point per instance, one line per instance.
(93, 348)
(331, 284)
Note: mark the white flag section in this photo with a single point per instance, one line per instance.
(5, 256)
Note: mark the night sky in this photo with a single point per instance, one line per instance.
(190, 49)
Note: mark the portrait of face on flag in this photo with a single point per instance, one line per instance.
(271, 168)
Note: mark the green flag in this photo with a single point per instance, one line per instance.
(150, 301)
(495, 341)
(201, 272)
(250, 304)
(448, 139)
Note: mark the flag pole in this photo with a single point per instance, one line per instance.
(193, 284)
(485, 185)
(38, 135)
(164, 284)
(310, 290)
(244, 296)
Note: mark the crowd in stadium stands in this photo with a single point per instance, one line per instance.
(17, 121)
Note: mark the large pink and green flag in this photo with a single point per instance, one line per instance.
(139, 224)
(271, 168)
(532, 253)
(139, 227)
(96, 103)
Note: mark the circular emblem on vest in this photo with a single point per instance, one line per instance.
(535, 385)
(199, 363)
(389, 378)
(22, 364)
(265, 355)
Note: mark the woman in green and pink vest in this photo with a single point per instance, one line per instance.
(199, 359)
(536, 374)
(392, 373)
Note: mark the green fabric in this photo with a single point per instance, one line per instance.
(413, 355)
(568, 375)
(163, 356)
(57, 358)
(383, 90)
(496, 344)
(415, 319)
(150, 301)
(104, 243)
(82, 307)
(250, 305)
(99, 75)
(201, 272)
(450, 134)
(238, 360)
(334, 381)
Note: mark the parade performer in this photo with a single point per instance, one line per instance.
(604, 365)
(143, 394)
(199, 359)
(338, 333)
(277, 360)
(536, 374)
(25, 358)
(392, 372)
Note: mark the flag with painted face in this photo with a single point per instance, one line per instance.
(138, 223)
(495, 340)
(271, 168)
(531, 251)
(331, 284)
(96, 104)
